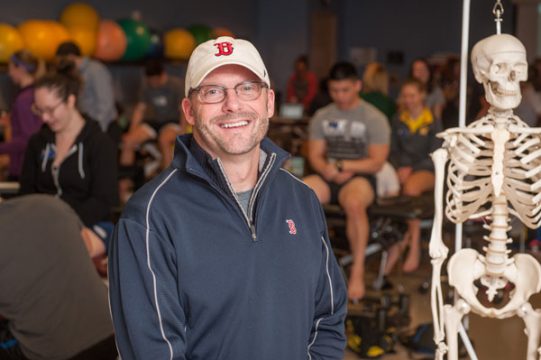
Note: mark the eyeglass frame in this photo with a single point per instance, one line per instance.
(50, 111)
(261, 85)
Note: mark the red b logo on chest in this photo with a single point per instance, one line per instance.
(224, 48)
(292, 227)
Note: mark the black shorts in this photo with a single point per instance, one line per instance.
(156, 126)
(335, 188)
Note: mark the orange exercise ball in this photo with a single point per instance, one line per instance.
(178, 44)
(111, 41)
(81, 15)
(221, 31)
(42, 37)
(85, 38)
(10, 42)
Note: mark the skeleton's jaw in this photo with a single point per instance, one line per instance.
(500, 97)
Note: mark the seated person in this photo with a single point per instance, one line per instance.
(71, 157)
(96, 99)
(53, 303)
(302, 84)
(23, 69)
(414, 131)
(349, 143)
(156, 116)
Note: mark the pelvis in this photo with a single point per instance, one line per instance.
(468, 275)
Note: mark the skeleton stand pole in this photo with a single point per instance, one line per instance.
(462, 123)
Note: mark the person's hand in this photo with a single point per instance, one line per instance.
(404, 173)
(342, 177)
(4, 119)
(329, 171)
(94, 245)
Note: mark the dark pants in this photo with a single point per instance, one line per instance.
(10, 350)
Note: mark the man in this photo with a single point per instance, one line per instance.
(156, 115)
(53, 300)
(97, 98)
(349, 143)
(225, 255)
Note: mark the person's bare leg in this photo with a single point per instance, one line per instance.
(320, 187)
(166, 143)
(355, 197)
(131, 141)
(415, 185)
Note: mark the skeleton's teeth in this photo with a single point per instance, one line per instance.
(236, 124)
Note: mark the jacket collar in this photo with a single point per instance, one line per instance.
(189, 156)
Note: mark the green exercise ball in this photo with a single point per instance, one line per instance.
(138, 39)
(201, 33)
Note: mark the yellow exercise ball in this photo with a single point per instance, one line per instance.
(178, 44)
(10, 41)
(85, 38)
(81, 15)
(42, 37)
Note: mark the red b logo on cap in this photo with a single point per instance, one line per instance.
(224, 48)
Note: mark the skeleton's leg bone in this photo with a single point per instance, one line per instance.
(532, 320)
(453, 316)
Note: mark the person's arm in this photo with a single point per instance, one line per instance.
(26, 123)
(318, 159)
(327, 338)
(104, 98)
(138, 114)
(377, 155)
(146, 306)
(434, 143)
(103, 190)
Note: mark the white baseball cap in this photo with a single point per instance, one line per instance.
(222, 51)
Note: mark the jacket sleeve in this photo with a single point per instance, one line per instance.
(103, 188)
(434, 143)
(327, 338)
(30, 167)
(147, 313)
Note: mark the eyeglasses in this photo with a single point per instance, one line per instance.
(213, 94)
(49, 111)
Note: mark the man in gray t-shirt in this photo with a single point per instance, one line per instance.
(349, 143)
(156, 115)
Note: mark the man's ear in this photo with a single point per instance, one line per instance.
(270, 103)
(188, 111)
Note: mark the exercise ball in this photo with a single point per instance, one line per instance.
(201, 33)
(137, 39)
(10, 42)
(42, 37)
(155, 50)
(81, 15)
(85, 38)
(178, 44)
(110, 42)
(221, 31)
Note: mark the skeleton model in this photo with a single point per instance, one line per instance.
(494, 171)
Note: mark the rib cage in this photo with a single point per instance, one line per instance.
(470, 190)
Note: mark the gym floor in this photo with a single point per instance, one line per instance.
(492, 338)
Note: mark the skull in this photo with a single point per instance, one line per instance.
(499, 63)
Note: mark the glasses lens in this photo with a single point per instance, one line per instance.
(249, 91)
(211, 94)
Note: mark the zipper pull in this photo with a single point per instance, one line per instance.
(252, 229)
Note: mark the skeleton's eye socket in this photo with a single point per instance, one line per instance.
(497, 68)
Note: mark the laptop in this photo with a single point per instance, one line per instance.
(291, 111)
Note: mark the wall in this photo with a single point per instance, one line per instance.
(414, 27)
